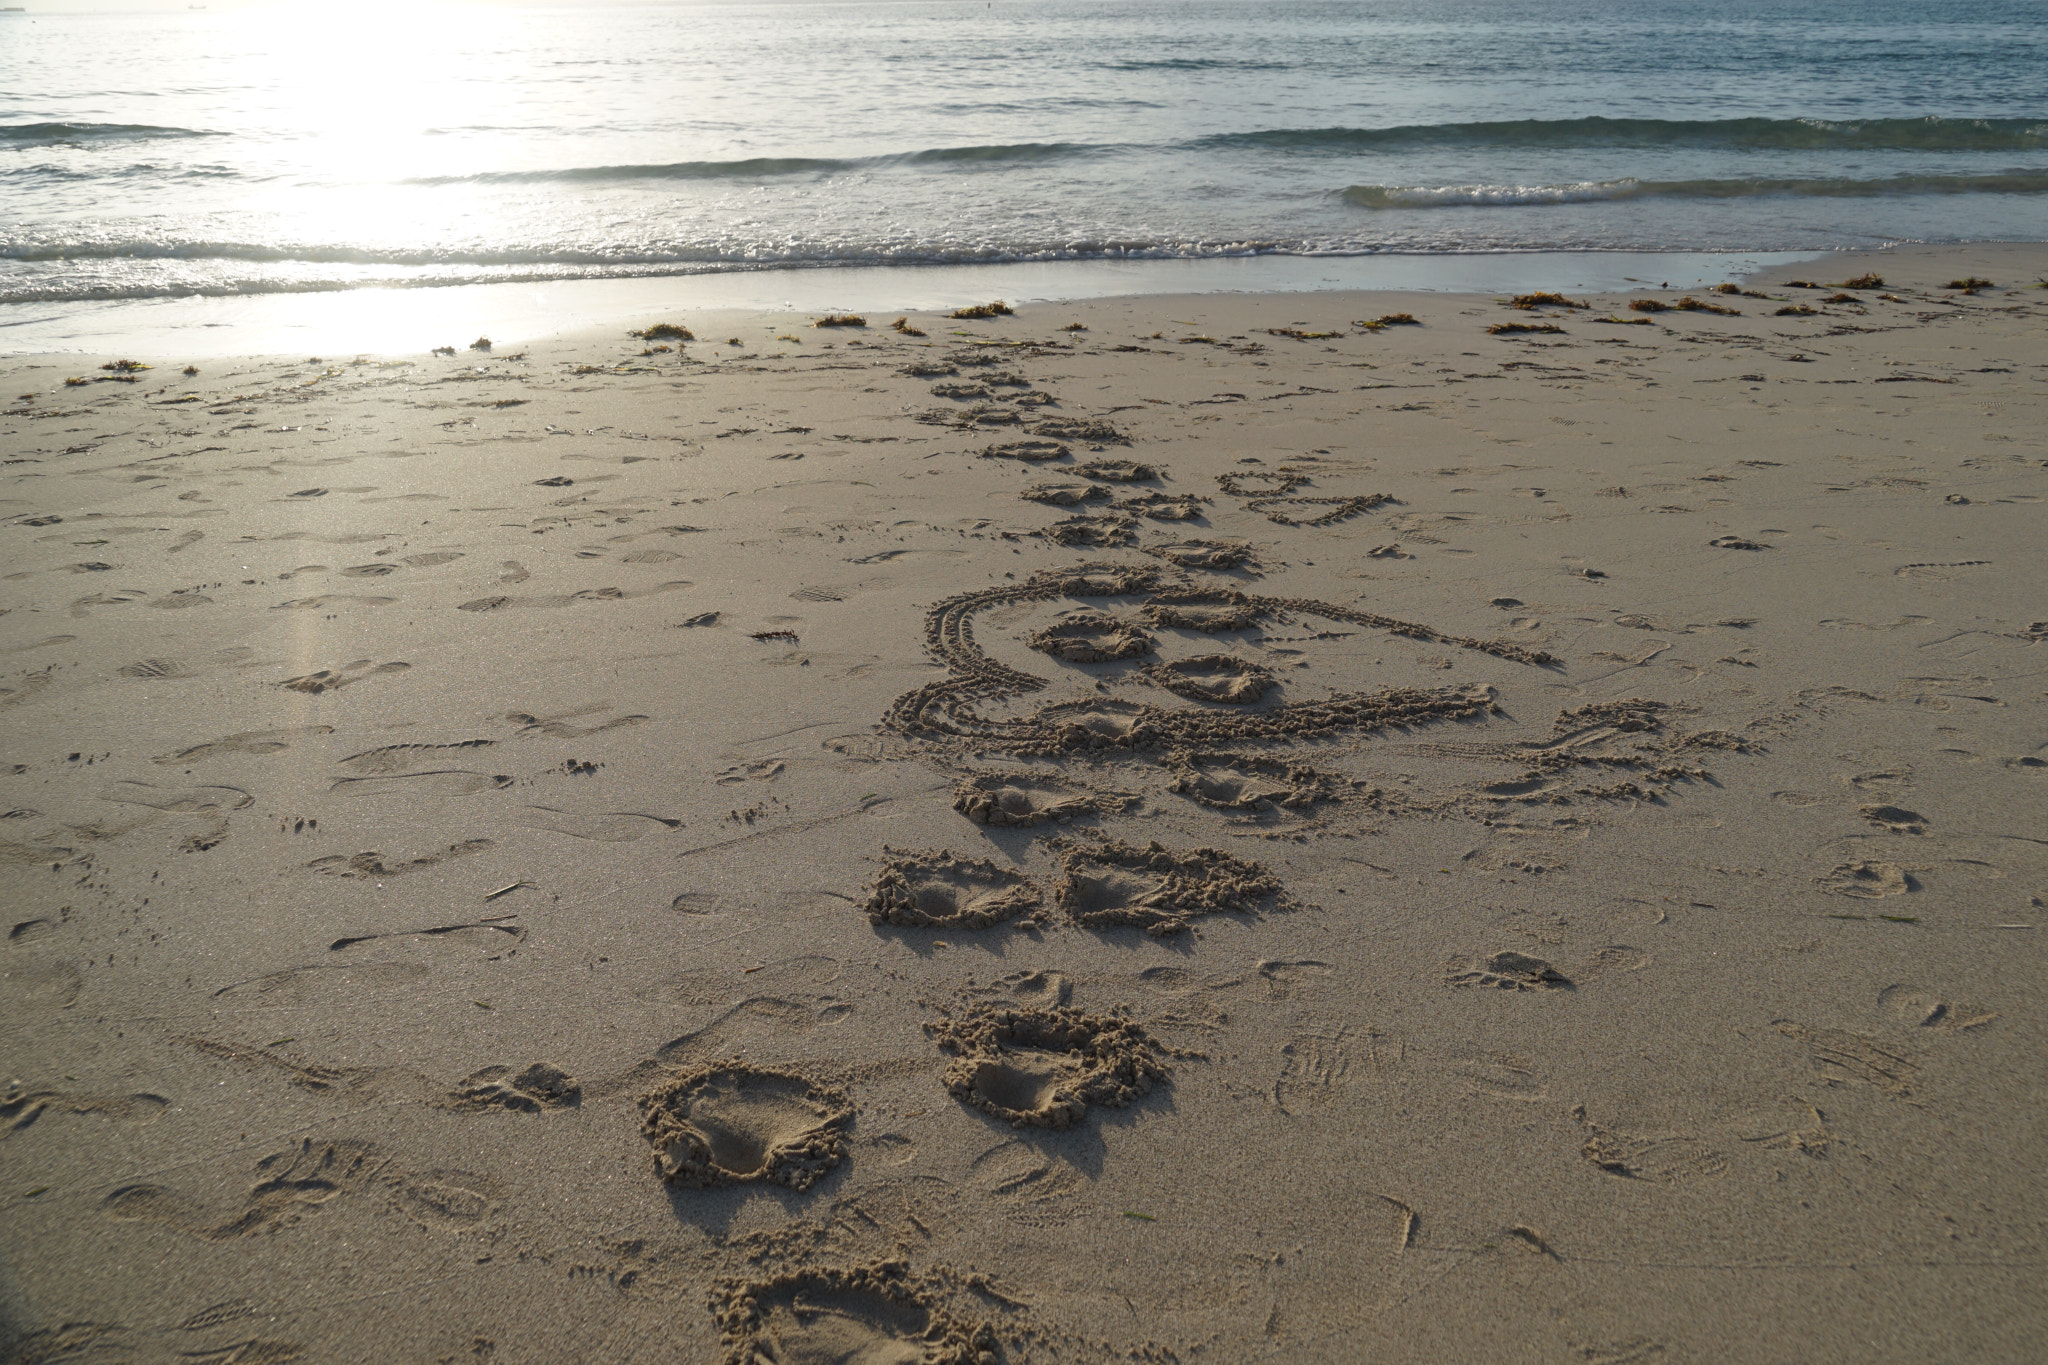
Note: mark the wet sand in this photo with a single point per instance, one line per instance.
(1202, 828)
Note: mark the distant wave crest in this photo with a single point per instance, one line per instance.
(1801, 134)
(752, 168)
(91, 132)
(1597, 191)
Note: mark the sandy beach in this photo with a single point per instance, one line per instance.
(1295, 827)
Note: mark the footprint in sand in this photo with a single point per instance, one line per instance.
(586, 595)
(1163, 891)
(330, 600)
(19, 690)
(296, 986)
(491, 939)
(1207, 611)
(1043, 1068)
(365, 866)
(1509, 971)
(1242, 782)
(538, 1087)
(1017, 799)
(398, 758)
(176, 798)
(734, 1124)
(452, 782)
(1867, 880)
(874, 1313)
(1091, 638)
(448, 1200)
(937, 890)
(1037, 989)
(1213, 677)
(1213, 555)
(1662, 1157)
(37, 983)
(20, 1106)
(1315, 1069)
(1915, 1007)
(1895, 818)
(562, 727)
(609, 827)
(1032, 1186)
(760, 770)
(1839, 1055)
(155, 670)
(291, 1185)
(334, 679)
(752, 1021)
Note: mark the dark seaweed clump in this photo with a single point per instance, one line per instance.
(841, 320)
(664, 331)
(1515, 328)
(1526, 302)
(998, 309)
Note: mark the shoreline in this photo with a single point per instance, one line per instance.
(390, 321)
(1535, 813)
(399, 321)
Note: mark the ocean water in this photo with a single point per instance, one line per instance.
(318, 147)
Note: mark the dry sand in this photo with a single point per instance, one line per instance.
(1515, 847)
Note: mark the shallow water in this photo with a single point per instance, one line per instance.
(315, 148)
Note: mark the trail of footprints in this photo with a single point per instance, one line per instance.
(1017, 1052)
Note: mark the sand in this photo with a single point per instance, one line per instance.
(1192, 828)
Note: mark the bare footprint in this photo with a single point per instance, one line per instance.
(731, 1124)
(1043, 1068)
(334, 679)
(867, 1315)
(938, 890)
(291, 1185)
(177, 798)
(453, 782)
